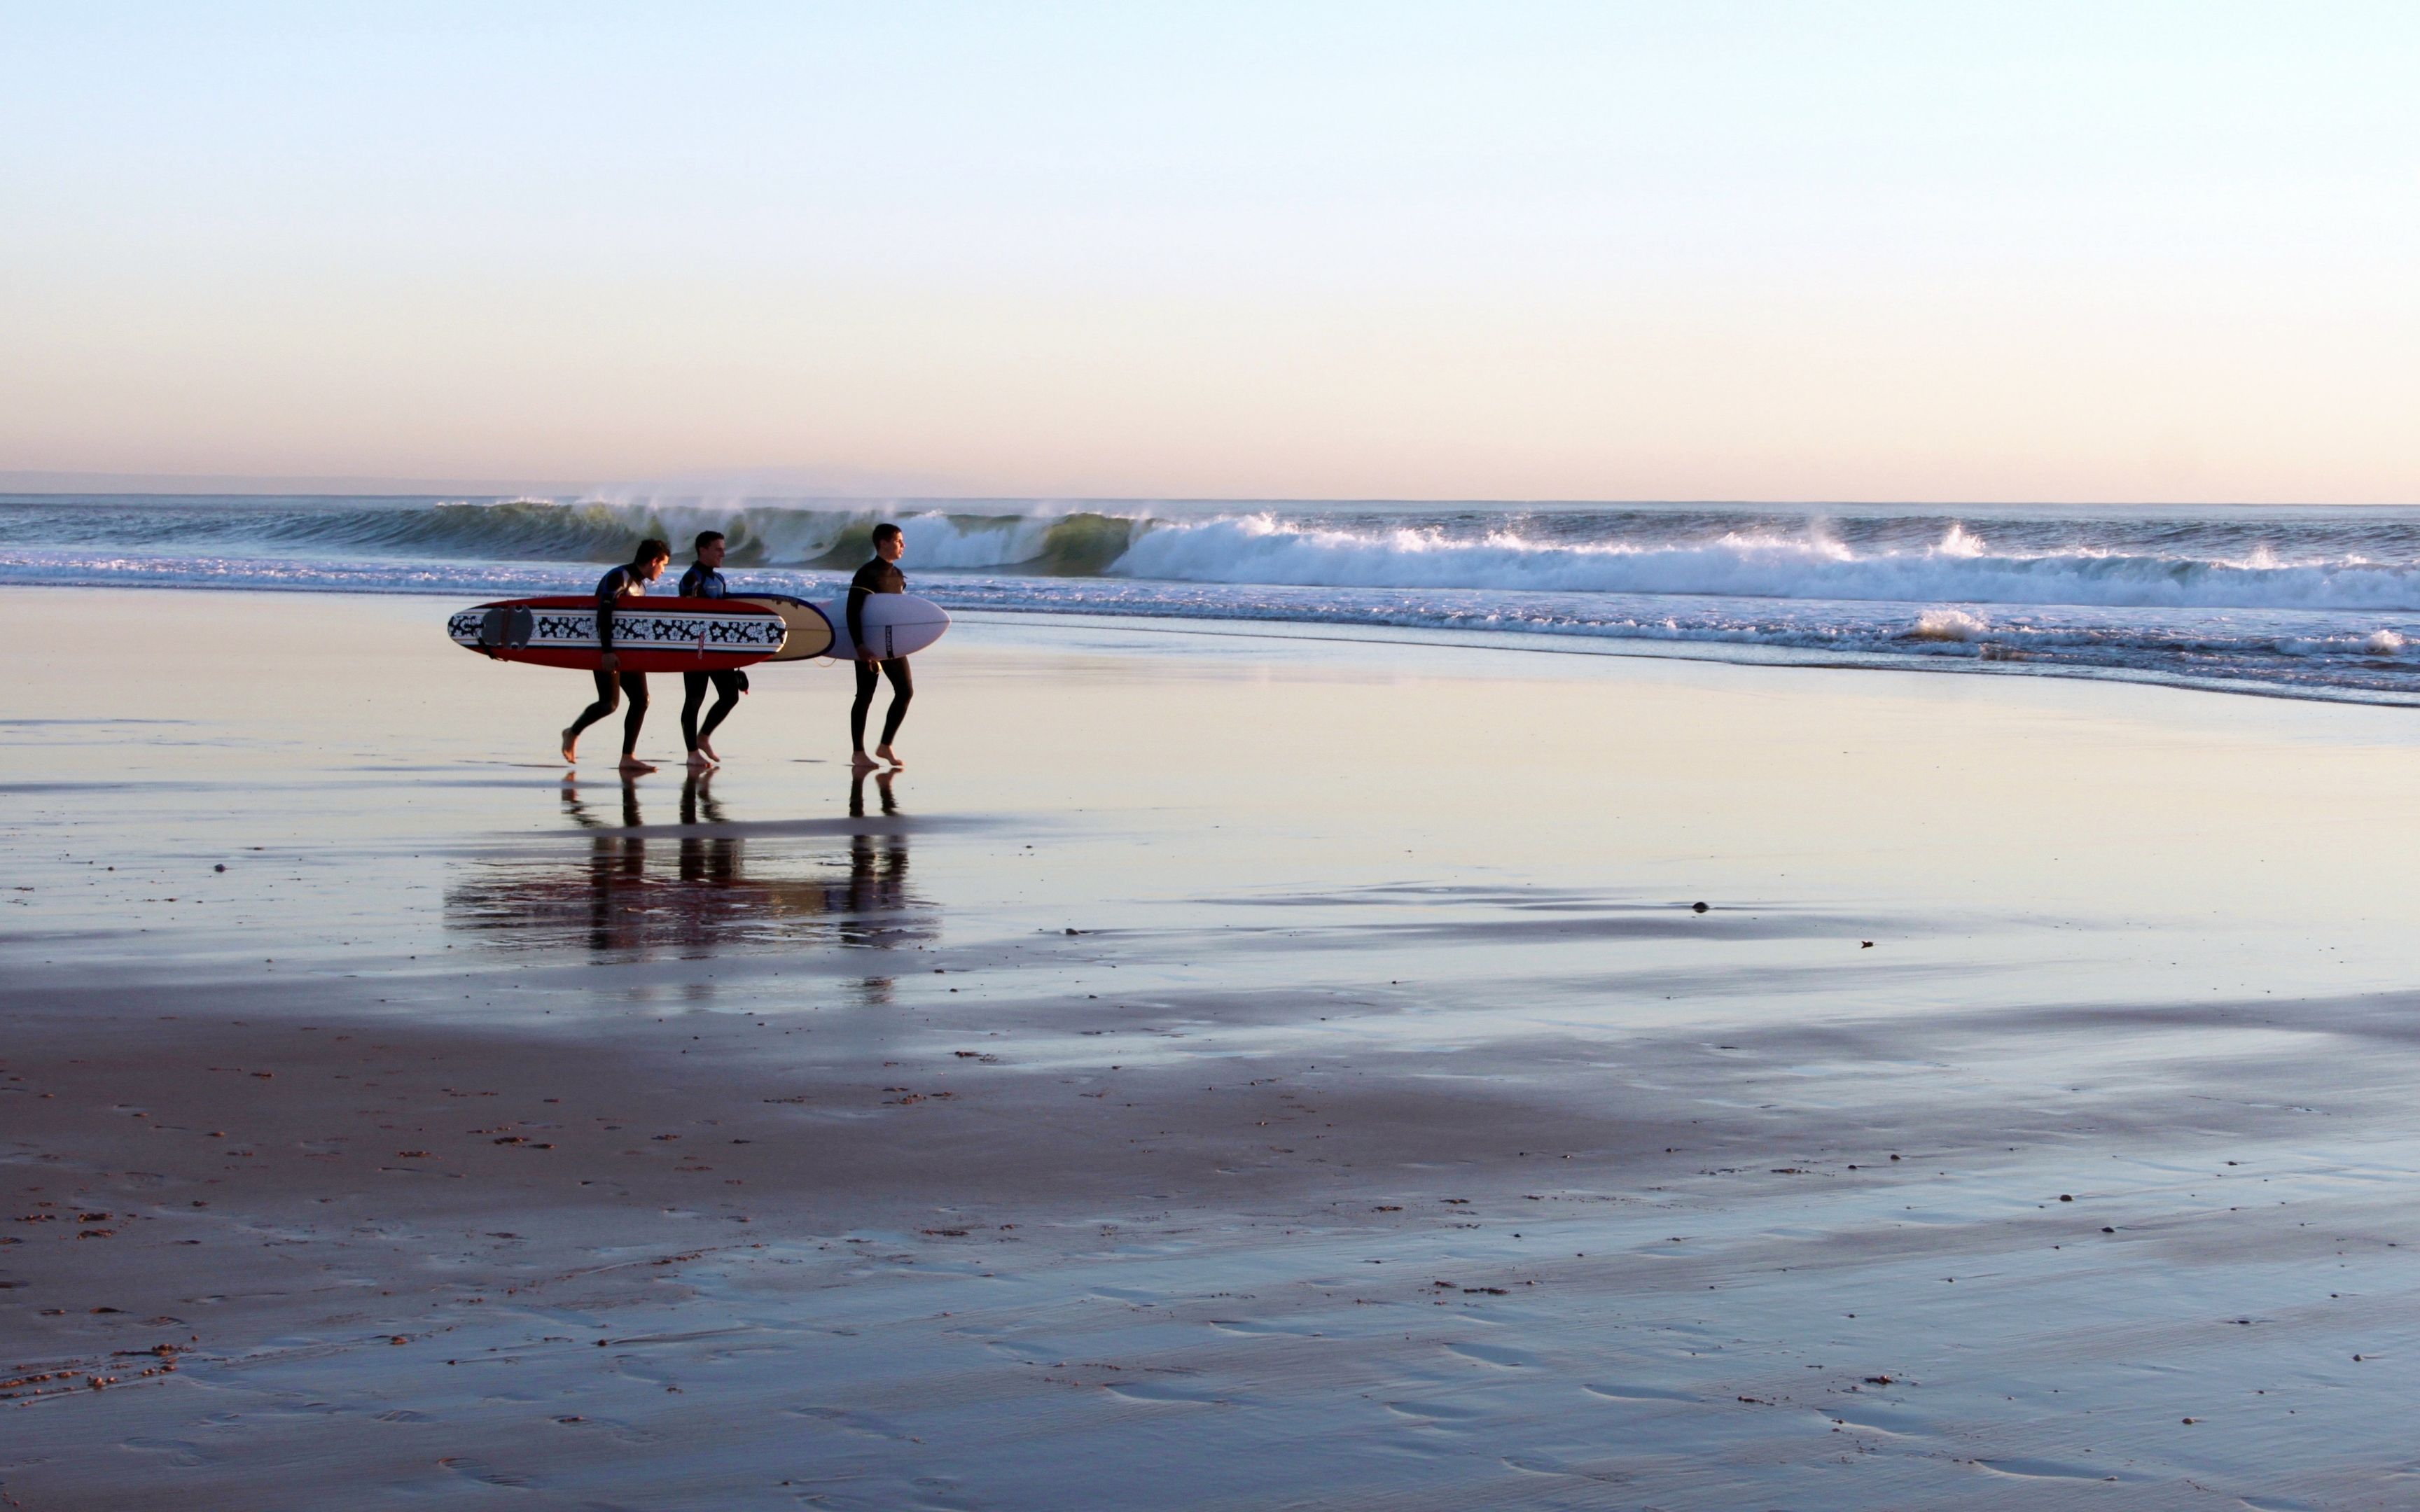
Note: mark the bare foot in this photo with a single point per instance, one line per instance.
(569, 740)
(711, 754)
(632, 767)
(700, 762)
(862, 763)
(889, 755)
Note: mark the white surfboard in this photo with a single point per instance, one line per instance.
(811, 634)
(896, 625)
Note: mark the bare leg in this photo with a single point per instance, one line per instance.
(867, 680)
(609, 698)
(727, 697)
(902, 687)
(634, 693)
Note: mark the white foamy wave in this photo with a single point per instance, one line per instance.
(1262, 548)
(2319, 603)
(1948, 624)
(937, 540)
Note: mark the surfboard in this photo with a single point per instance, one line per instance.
(650, 635)
(896, 625)
(811, 634)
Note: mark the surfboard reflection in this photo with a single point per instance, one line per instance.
(636, 893)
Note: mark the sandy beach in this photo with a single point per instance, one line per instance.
(1224, 1069)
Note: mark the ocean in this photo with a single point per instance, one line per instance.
(2293, 601)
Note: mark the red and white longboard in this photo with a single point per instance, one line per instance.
(650, 635)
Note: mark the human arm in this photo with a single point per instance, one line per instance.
(857, 594)
(608, 592)
(867, 582)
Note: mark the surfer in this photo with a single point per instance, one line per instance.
(879, 576)
(704, 579)
(646, 565)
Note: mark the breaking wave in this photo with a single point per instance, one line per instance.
(2151, 561)
(2318, 600)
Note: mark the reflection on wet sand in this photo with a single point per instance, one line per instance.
(710, 887)
(881, 872)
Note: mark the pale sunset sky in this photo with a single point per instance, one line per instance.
(1983, 252)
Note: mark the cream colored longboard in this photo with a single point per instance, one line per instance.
(811, 634)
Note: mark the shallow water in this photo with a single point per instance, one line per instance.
(1386, 975)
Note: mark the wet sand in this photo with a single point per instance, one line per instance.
(1225, 1071)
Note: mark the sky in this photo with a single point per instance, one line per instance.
(2033, 251)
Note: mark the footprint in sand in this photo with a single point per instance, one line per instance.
(486, 1474)
(613, 1427)
(1253, 1330)
(1154, 1390)
(1434, 1413)
(2051, 1470)
(1540, 1465)
(849, 1422)
(1489, 1354)
(1884, 1419)
(1639, 1393)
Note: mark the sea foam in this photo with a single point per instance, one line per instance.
(2321, 603)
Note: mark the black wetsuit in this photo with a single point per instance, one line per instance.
(702, 581)
(876, 576)
(609, 590)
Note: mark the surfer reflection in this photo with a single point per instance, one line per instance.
(704, 858)
(578, 810)
(701, 886)
(882, 788)
(877, 879)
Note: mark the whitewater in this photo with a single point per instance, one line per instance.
(2297, 601)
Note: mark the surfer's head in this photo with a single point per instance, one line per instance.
(887, 542)
(709, 548)
(649, 559)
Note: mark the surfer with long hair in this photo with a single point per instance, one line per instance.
(645, 566)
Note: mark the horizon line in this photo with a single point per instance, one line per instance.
(98, 484)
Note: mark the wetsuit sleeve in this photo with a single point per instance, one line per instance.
(858, 589)
(689, 583)
(609, 588)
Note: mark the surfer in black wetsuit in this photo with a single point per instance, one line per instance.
(879, 576)
(704, 579)
(646, 565)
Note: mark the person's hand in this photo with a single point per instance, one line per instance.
(868, 653)
(609, 663)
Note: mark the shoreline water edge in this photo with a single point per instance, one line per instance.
(2297, 602)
